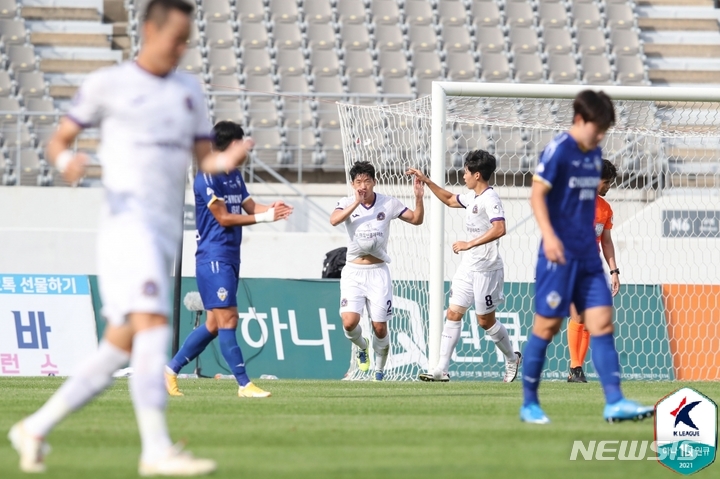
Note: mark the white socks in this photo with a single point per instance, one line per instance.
(450, 337)
(500, 337)
(147, 389)
(91, 379)
(382, 349)
(356, 337)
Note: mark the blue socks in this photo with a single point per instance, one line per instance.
(607, 364)
(232, 354)
(533, 362)
(194, 344)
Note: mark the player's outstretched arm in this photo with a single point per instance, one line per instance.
(253, 208)
(227, 219)
(608, 249)
(496, 231)
(416, 216)
(213, 162)
(443, 195)
(59, 153)
(552, 246)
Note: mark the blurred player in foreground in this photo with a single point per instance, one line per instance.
(577, 336)
(219, 201)
(152, 121)
(480, 278)
(365, 280)
(569, 269)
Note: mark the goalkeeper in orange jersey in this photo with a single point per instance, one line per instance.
(578, 337)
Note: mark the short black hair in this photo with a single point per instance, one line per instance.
(157, 11)
(362, 168)
(480, 161)
(595, 107)
(226, 132)
(609, 171)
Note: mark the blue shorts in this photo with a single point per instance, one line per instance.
(218, 284)
(580, 281)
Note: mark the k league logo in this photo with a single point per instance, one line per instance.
(686, 431)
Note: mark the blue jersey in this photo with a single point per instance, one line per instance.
(215, 242)
(573, 176)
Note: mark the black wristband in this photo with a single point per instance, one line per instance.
(615, 271)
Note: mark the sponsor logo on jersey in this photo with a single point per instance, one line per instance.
(210, 192)
(553, 299)
(343, 302)
(222, 293)
(150, 288)
(599, 229)
(380, 216)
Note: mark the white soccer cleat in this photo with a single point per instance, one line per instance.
(435, 376)
(511, 369)
(177, 463)
(32, 449)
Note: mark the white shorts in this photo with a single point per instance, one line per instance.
(484, 288)
(133, 270)
(368, 286)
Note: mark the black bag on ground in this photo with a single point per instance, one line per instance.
(334, 263)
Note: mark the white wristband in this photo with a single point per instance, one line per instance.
(221, 163)
(267, 217)
(63, 160)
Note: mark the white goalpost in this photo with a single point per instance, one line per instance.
(666, 201)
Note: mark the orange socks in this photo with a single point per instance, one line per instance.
(578, 343)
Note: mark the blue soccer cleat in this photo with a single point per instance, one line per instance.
(533, 414)
(626, 410)
(379, 375)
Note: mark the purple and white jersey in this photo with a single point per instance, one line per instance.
(480, 212)
(148, 128)
(368, 227)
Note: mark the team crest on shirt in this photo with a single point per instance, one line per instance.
(380, 216)
(222, 293)
(209, 192)
(450, 293)
(150, 288)
(599, 229)
(475, 209)
(553, 299)
(189, 103)
(343, 302)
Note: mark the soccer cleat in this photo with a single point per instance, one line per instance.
(626, 410)
(577, 375)
(252, 391)
(32, 449)
(511, 369)
(434, 377)
(177, 463)
(363, 358)
(379, 375)
(533, 414)
(171, 384)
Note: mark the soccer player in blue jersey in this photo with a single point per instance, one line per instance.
(569, 269)
(219, 201)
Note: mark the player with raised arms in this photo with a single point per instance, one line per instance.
(152, 121)
(480, 278)
(577, 336)
(365, 280)
(569, 269)
(219, 201)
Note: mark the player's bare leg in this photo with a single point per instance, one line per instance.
(499, 335)
(353, 331)
(381, 346)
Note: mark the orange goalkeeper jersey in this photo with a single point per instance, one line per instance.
(603, 217)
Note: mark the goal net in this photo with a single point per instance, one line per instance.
(666, 203)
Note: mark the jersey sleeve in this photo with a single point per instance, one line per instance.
(397, 208)
(547, 168)
(87, 106)
(494, 209)
(243, 190)
(611, 218)
(207, 188)
(344, 202)
(203, 127)
(465, 199)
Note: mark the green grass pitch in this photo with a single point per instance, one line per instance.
(337, 429)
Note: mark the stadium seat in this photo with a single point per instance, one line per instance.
(519, 14)
(297, 114)
(591, 41)
(557, 41)
(253, 35)
(287, 36)
(328, 116)
(11, 110)
(596, 69)
(331, 140)
(219, 35)
(8, 8)
(455, 38)
(11, 139)
(485, 13)
(586, 15)
(351, 11)
(321, 36)
(329, 85)
(6, 84)
(194, 38)
(251, 11)
(317, 12)
(255, 62)
(22, 58)
(620, 16)
(261, 112)
(32, 84)
(562, 68)
(290, 63)
(191, 61)
(552, 15)
(223, 61)
(358, 63)
(624, 42)
(283, 11)
(43, 133)
(495, 67)
(460, 66)
(426, 65)
(12, 32)
(490, 39)
(354, 37)
(422, 38)
(226, 83)
(301, 140)
(228, 109)
(452, 12)
(523, 40)
(324, 62)
(528, 68)
(216, 10)
(388, 37)
(267, 143)
(630, 70)
(384, 12)
(364, 85)
(418, 12)
(396, 86)
(392, 63)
